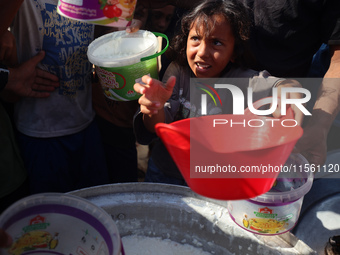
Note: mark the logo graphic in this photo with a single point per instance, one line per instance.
(36, 223)
(239, 99)
(35, 237)
(265, 210)
(109, 79)
(204, 97)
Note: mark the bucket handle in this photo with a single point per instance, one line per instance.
(158, 53)
(268, 100)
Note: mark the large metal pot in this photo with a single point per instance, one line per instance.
(176, 213)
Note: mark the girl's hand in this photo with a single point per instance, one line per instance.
(154, 94)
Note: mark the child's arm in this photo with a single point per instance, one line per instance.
(8, 49)
(8, 9)
(154, 95)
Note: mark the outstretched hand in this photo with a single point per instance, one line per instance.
(27, 80)
(154, 94)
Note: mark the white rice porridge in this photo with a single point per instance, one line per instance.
(142, 245)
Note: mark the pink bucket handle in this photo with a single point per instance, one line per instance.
(265, 101)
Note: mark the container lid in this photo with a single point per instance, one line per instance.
(121, 48)
(67, 215)
(294, 181)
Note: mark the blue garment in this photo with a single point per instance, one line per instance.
(68, 109)
(321, 62)
(318, 68)
(63, 164)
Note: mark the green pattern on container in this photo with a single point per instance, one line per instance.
(121, 87)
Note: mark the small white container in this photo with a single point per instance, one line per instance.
(278, 210)
(122, 59)
(53, 223)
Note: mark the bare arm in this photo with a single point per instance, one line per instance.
(313, 143)
(328, 100)
(8, 49)
(8, 9)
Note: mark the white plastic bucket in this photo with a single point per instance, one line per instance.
(278, 210)
(113, 13)
(53, 223)
(122, 59)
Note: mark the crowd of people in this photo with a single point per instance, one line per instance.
(58, 132)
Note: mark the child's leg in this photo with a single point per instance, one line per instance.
(153, 174)
(62, 164)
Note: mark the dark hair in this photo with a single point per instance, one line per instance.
(234, 11)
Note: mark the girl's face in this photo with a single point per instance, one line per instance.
(208, 56)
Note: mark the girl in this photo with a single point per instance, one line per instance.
(212, 44)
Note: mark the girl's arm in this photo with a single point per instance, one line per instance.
(313, 143)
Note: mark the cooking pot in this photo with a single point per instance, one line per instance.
(177, 213)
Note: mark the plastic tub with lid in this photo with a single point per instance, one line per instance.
(56, 223)
(122, 59)
(278, 210)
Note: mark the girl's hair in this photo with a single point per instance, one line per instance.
(234, 11)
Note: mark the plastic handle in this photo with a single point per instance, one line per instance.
(268, 100)
(162, 51)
